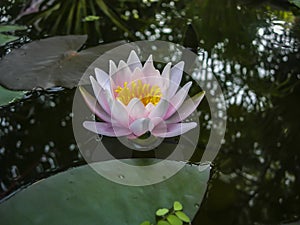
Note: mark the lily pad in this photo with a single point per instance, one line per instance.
(49, 62)
(5, 38)
(82, 196)
(7, 96)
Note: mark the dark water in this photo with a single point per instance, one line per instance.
(252, 48)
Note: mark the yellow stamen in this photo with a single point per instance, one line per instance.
(145, 92)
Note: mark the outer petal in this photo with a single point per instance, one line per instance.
(140, 126)
(186, 108)
(136, 109)
(102, 78)
(174, 129)
(175, 78)
(120, 114)
(106, 129)
(94, 106)
(178, 99)
(100, 94)
(133, 61)
(160, 109)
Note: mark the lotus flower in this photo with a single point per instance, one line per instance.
(134, 99)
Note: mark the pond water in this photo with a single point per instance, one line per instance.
(251, 47)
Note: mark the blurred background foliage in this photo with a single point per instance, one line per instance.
(250, 46)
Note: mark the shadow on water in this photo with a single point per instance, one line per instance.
(251, 48)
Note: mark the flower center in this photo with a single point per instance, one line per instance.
(144, 92)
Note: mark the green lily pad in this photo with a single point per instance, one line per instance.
(295, 2)
(9, 28)
(49, 62)
(7, 96)
(82, 196)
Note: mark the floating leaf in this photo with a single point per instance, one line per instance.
(162, 222)
(183, 216)
(173, 220)
(177, 206)
(4, 39)
(81, 196)
(7, 96)
(162, 212)
(9, 28)
(145, 223)
(49, 62)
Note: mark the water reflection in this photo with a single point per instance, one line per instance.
(253, 50)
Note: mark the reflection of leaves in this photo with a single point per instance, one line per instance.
(49, 62)
(69, 189)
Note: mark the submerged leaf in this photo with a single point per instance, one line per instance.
(49, 62)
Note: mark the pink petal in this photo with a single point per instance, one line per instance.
(148, 69)
(133, 61)
(140, 126)
(178, 99)
(122, 75)
(94, 106)
(160, 109)
(175, 78)
(186, 108)
(174, 129)
(136, 109)
(100, 94)
(120, 114)
(106, 129)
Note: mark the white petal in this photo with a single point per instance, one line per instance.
(119, 113)
(133, 61)
(136, 109)
(160, 109)
(148, 69)
(100, 94)
(106, 129)
(112, 68)
(102, 78)
(122, 75)
(174, 129)
(139, 126)
(186, 108)
(94, 106)
(175, 78)
(178, 99)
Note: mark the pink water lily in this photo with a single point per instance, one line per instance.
(134, 99)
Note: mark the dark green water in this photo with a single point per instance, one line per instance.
(252, 48)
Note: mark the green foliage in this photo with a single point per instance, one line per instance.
(6, 38)
(162, 212)
(7, 96)
(295, 2)
(67, 199)
(174, 216)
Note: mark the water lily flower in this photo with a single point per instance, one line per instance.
(134, 99)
